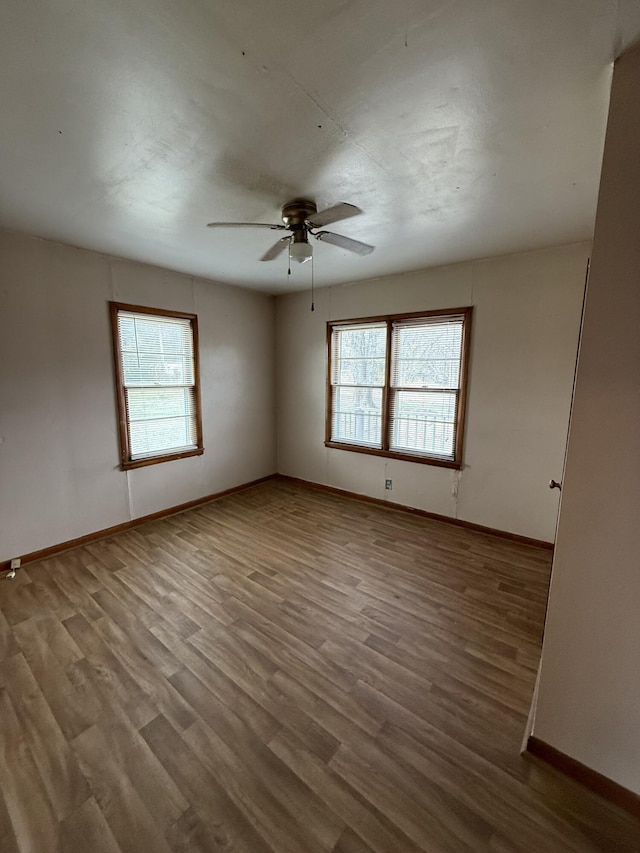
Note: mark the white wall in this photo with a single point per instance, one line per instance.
(589, 694)
(525, 332)
(59, 474)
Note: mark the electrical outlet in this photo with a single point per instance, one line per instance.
(388, 484)
(15, 563)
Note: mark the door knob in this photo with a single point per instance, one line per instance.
(553, 484)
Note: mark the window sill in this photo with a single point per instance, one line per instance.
(395, 454)
(154, 460)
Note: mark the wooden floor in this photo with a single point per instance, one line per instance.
(282, 670)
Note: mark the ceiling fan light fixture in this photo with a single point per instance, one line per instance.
(301, 252)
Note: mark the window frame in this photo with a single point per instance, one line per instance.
(461, 408)
(126, 462)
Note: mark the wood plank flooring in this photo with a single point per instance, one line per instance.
(282, 670)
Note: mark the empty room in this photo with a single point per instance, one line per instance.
(319, 405)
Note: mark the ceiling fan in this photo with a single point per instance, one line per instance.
(301, 218)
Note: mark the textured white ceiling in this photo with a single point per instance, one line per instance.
(463, 128)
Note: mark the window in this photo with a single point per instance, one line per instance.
(396, 385)
(157, 383)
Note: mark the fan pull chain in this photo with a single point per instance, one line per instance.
(313, 307)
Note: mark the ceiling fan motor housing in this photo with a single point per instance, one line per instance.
(296, 212)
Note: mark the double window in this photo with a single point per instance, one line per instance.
(396, 385)
(157, 384)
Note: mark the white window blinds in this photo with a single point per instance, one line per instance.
(158, 376)
(425, 384)
(357, 383)
(397, 385)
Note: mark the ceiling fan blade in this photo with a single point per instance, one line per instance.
(275, 250)
(245, 225)
(333, 214)
(344, 242)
